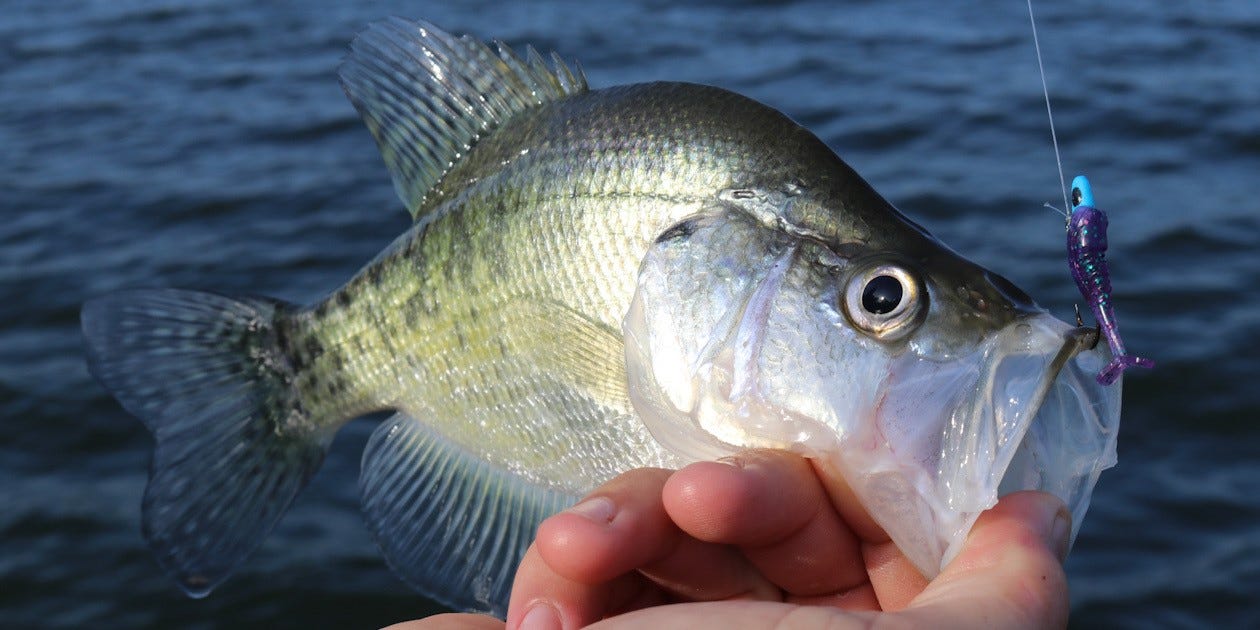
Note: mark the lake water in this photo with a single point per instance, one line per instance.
(207, 144)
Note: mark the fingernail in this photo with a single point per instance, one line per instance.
(540, 616)
(732, 460)
(1061, 533)
(597, 509)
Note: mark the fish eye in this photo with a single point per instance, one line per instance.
(885, 301)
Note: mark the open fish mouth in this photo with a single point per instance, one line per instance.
(927, 443)
(1022, 412)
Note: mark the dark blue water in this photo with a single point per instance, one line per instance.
(207, 144)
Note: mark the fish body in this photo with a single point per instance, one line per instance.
(596, 280)
(1087, 260)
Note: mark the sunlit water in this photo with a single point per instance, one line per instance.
(208, 145)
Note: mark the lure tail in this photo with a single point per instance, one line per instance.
(1118, 364)
(213, 379)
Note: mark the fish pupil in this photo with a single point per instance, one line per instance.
(881, 295)
(1076, 197)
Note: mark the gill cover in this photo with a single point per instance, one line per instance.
(707, 292)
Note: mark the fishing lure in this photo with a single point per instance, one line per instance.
(1087, 249)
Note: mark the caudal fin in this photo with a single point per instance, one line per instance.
(210, 378)
(1118, 364)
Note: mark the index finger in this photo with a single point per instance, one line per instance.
(893, 577)
(771, 505)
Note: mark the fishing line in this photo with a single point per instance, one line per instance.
(1050, 114)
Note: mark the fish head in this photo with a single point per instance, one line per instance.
(931, 384)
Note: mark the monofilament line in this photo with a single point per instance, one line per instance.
(1050, 114)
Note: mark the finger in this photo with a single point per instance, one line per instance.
(743, 615)
(580, 566)
(699, 571)
(622, 527)
(846, 502)
(450, 621)
(1010, 570)
(591, 560)
(551, 600)
(894, 580)
(588, 542)
(772, 506)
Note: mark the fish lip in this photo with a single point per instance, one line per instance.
(1075, 341)
(1021, 411)
(1068, 432)
(1073, 433)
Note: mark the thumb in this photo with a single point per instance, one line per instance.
(1009, 573)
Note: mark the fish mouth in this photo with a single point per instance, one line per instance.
(1022, 412)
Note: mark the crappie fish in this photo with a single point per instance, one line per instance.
(596, 280)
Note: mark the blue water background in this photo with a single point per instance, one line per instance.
(206, 144)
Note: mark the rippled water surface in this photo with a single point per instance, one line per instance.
(207, 144)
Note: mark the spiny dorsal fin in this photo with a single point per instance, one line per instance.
(427, 96)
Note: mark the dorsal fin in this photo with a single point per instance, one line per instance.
(427, 96)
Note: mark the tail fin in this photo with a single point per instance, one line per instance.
(210, 377)
(1118, 364)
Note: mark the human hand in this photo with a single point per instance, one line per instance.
(768, 540)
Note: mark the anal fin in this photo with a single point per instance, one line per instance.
(452, 525)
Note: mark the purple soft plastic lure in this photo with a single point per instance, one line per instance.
(1087, 248)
